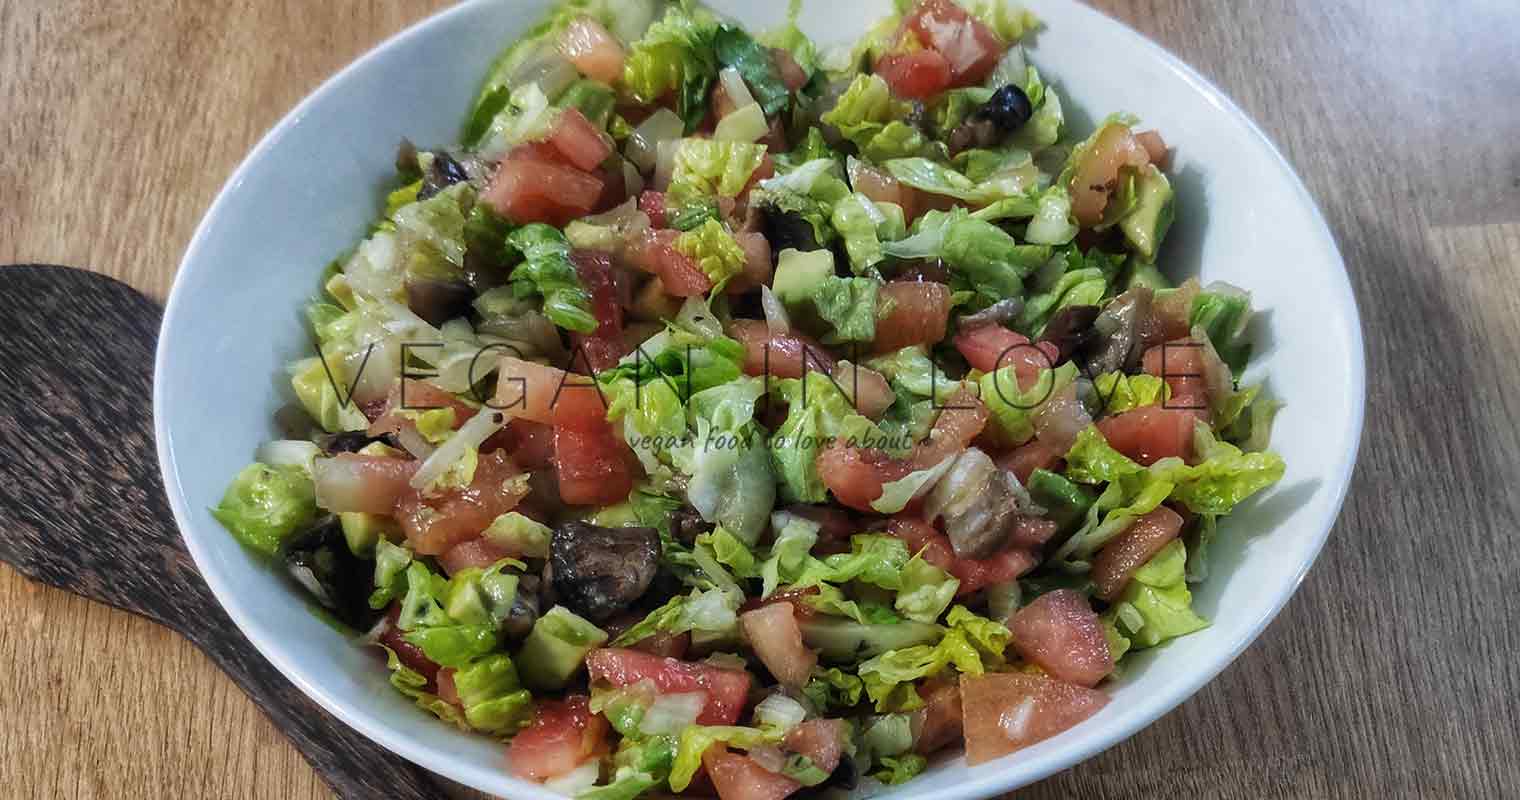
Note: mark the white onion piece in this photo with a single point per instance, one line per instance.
(633, 182)
(665, 163)
(413, 442)
(550, 70)
(745, 125)
(643, 144)
(288, 453)
(735, 88)
(768, 756)
(780, 711)
(776, 319)
(672, 713)
(630, 18)
(470, 435)
(576, 780)
(962, 486)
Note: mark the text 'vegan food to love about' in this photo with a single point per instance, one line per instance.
(728, 414)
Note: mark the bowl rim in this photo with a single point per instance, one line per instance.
(428, 757)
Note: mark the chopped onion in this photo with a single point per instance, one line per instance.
(745, 125)
(665, 163)
(471, 435)
(413, 442)
(576, 780)
(288, 453)
(781, 711)
(776, 319)
(672, 713)
(735, 88)
(769, 757)
(630, 18)
(549, 69)
(962, 486)
(643, 144)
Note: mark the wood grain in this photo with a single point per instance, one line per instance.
(1393, 673)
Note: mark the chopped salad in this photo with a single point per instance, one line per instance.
(726, 414)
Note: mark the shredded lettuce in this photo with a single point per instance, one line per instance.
(547, 271)
(737, 49)
(1012, 408)
(926, 591)
(697, 738)
(714, 250)
(817, 410)
(864, 110)
(1222, 312)
(848, 305)
(795, 538)
(675, 55)
(1156, 604)
(707, 167)
(893, 770)
(266, 505)
(971, 645)
(713, 610)
(863, 224)
(1009, 21)
(1118, 393)
(833, 689)
(316, 382)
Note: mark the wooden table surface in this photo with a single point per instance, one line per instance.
(1395, 671)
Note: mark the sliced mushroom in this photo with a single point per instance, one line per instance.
(320, 561)
(979, 503)
(787, 229)
(525, 608)
(1070, 330)
(438, 301)
(599, 571)
(1123, 329)
(1003, 312)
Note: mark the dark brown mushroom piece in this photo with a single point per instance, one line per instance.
(686, 525)
(597, 572)
(1004, 312)
(319, 560)
(525, 608)
(1070, 330)
(438, 301)
(787, 229)
(1122, 331)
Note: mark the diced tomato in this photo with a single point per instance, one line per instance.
(970, 49)
(1155, 147)
(448, 692)
(961, 418)
(775, 137)
(1060, 633)
(938, 723)
(1030, 532)
(1008, 711)
(652, 203)
(773, 632)
(410, 655)
(1097, 172)
(563, 735)
(1181, 364)
(1150, 433)
(437, 521)
(821, 740)
(578, 140)
(780, 355)
(591, 467)
(410, 394)
(757, 263)
(581, 406)
(472, 553)
(1172, 310)
(654, 251)
(601, 349)
(918, 75)
(974, 573)
(910, 313)
(791, 72)
(868, 390)
(738, 777)
(727, 689)
(767, 169)
(1116, 563)
(353, 482)
(992, 347)
(530, 391)
(1023, 460)
(526, 190)
(594, 51)
(539, 151)
(614, 186)
(882, 187)
(855, 474)
(531, 444)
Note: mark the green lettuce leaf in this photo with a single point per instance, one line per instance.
(627, 783)
(1008, 20)
(971, 645)
(266, 505)
(547, 271)
(863, 224)
(737, 49)
(714, 249)
(1156, 605)
(707, 167)
(391, 562)
(1012, 408)
(789, 552)
(494, 700)
(833, 601)
(864, 109)
(1118, 393)
(817, 410)
(319, 383)
(833, 690)
(1223, 476)
(1222, 312)
(675, 54)
(848, 305)
(713, 611)
(697, 738)
(926, 591)
(893, 770)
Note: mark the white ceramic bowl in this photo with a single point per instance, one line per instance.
(310, 188)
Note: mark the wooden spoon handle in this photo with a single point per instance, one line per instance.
(82, 503)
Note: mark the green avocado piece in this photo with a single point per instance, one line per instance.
(362, 531)
(1146, 225)
(1144, 273)
(799, 274)
(556, 648)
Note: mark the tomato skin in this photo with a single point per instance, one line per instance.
(579, 141)
(1117, 562)
(821, 740)
(601, 349)
(938, 723)
(917, 75)
(591, 466)
(563, 735)
(1060, 633)
(780, 355)
(529, 190)
(434, 523)
(970, 49)
(532, 391)
(1155, 147)
(881, 187)
(738, 777)
(531, 444)
(916, 312)
(594, 51)
(727, 690)
(407, 653)
(992, 347)
(1039, 707)
(1150, 433)
(973, 573)
(412, 394)
(773, 632)
(757, 263)
(1181, 364)
(1097, 172)
(472, 553)
(855, 474)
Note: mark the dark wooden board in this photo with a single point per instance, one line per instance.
(82, 505)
